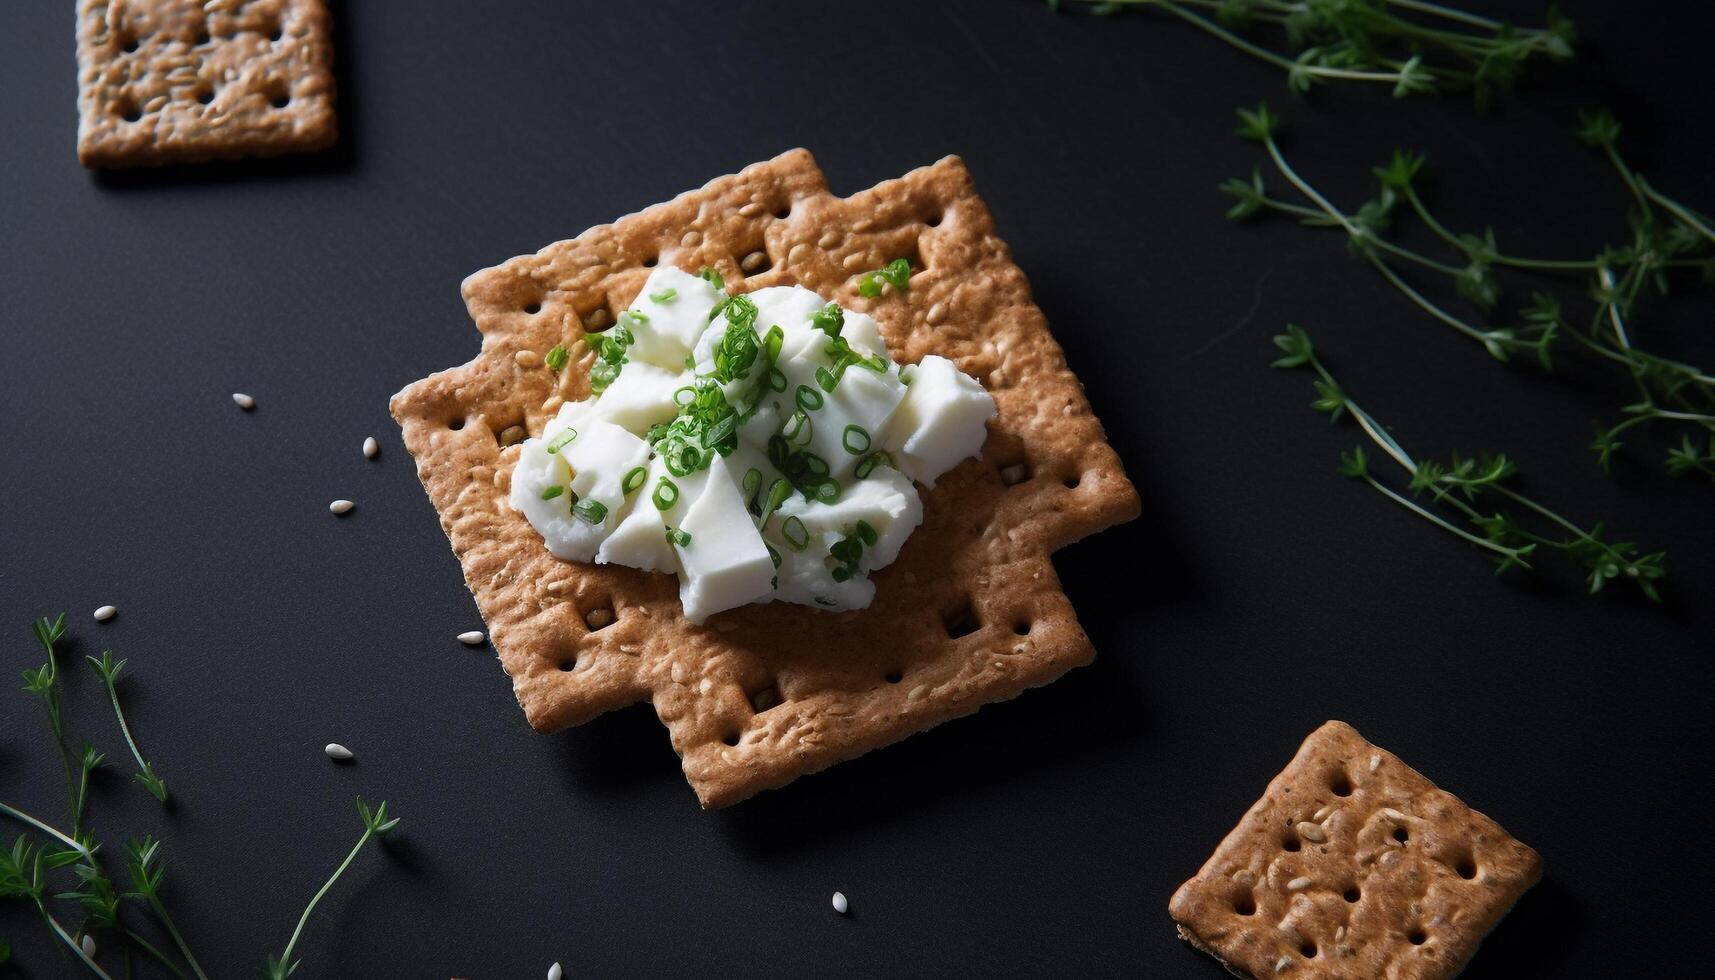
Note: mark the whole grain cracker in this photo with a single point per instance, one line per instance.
(183, 81)
(1353, 865)
(971, 612)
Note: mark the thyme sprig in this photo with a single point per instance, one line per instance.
(375, 824)
(1665, 236)
(44, 683)
(1411, 46)
(1460, 484)
(23, 874)
(109, 670)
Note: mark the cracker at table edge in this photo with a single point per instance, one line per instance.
(493, 297)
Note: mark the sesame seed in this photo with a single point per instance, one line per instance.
(1375, 760)
(527, 358)
(1323, 814)
(341, 506)
(1015, 474)
(555, 973)
(1298, 884)
(105, 613)
(243, 401)
(371, 448)
(1283, 964)
(1312, 832)
(88, 945)
(338, 752)
(471, 638)
(1392, 814)
(752, 262)
(840, 903)
(750, 210)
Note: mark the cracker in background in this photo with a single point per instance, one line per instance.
(1353, 865)
(971, 612)
(183, 81)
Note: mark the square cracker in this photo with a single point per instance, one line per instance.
(183, 81)
(1353, 865)
(971, 612)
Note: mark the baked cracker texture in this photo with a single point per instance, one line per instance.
(1353, 865)
(185, 81)
(971, 612)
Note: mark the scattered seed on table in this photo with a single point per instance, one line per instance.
(371, 448)
(105, 613)
(341, 506)
(88, 945)
(555, 973)
(840, 903)
(472, 638)
(338, 752)
(243, 401)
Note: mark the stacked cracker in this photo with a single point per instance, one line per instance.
(972, 611)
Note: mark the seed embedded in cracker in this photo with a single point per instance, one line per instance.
(941, 636)
(1354, 902)
(184, 81)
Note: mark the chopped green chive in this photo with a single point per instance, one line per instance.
(773, 556)
(778, 491)
(633, 480)
(829, 319)
(855, 439)
(867, 465)
(808, 398)
(797, 536)
(590, 511)
(557, 357)
(664, 296)
(666, 494)
(560, 441)
(798, 428)
(866, 533)
(549, 493)
(776, 379)
(678, 537)
(712, 277)
(772, 342)
(752, 484)
(896, 273)
(828, 491)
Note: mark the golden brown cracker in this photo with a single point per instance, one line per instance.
(183, 81)
(1353, 865)
(971, 612)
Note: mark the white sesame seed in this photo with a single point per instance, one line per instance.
(371, 448)
(840, 903)
(1283, 964)
(105, 613)
(243, 401)
(472, 638)
(1375, 760)
(1392, 814)
(88, 945)
(1298, 884)
(1312, 832)
(341, 506)
(1323, 814)
(555, 973)
(338, 752)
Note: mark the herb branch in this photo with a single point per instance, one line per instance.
(1666, 236)
(44, 683)
(1459, 485)
(109, 670)
(1411, 46)
(23, 874)
(375, 824)
(147, 872)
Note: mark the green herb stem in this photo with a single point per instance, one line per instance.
(291, 944)
(76, 947)
(172, 928)
(22, 817)
(156, 954)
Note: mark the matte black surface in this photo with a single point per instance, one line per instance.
(1259, 595)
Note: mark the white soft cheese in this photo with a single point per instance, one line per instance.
(705, 523)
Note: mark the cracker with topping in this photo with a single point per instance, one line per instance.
(1353, 865)
(185, 81)
(970, 612)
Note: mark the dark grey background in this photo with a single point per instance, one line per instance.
(1258, 596)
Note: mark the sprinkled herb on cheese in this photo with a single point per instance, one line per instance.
(770, 427)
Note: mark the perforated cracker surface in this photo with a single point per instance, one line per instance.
(971, 612)
(1353, 866)
(183, 81)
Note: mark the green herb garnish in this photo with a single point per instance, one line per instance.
(829, 319)
(109, 670)
(562, 440)
(678, 538)
(551, 491)
(896, 274)
(711, 277)
(855, 439)
(374, 825)
(666, 494)
(557, 357)
(633, 480)
(867, 465)
(807, 398)
(1458, 485)
(590, 511)
(796, 534)
(664, 296)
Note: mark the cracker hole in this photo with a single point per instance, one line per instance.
(533, 307)
(456, 424)
(1308, 949)
(131, 44)
(1417, 937)
(600, 618)
(961, 621)
(934, 220)
(205, 96)
(652, 261)
(768, 697)
(1467, 868)
(280, 100)
(1022, 627)
(1400, 834)
(129, 111)
(1339, 785)
(276, 33)
(202, 37)
(1244, 905)
(895, 676)
(1352, 894)
(784, 211)
(1071, 482)
(568, 665)
(1290, 842)
(730, 738)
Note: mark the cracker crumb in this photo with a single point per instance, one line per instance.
(840, 903)
(243, 401)
(105, 613)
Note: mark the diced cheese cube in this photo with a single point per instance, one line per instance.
(590, 467)
(942, 420)
(789, 308)
(862, 398)
(885, 500)
(640, 397)
(671, 325)
(863, 334)
(726, 563)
